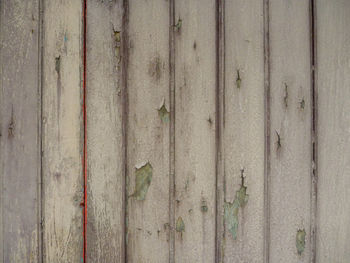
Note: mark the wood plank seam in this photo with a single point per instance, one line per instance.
(267, 131)
(125, 106)
(84, 129)
(40, 132)
(220, 107)
(314, 179)
(172, 131)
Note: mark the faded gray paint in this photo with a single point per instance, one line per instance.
(19, 131)
(183, 103)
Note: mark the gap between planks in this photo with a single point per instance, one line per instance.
(172, 131)
(314, 112)
(125, 109)
(267, 131)
(40, 132)
(219, 108)
(84, 129)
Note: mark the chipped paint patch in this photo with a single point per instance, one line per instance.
(58, 64)
(300, 241)
(143, 178)
(155, 68)
(231, 209)
(163, 113)
(117, 36)
(204, 207)
(11, 127)
(238, 80)
(210, 121)
(178, 25)
(285, 98)
(180, 225)
(279, 144)
(117, 41)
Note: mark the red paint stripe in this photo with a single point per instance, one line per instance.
(84, 117)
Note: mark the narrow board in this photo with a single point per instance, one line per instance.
(148, 132)
(62, 131)
(195, 122)
(333, 81)
(105, 196)
(290, 130)
(243, 132)
(20, 131)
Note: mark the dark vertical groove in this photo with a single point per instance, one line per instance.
(85, 136)
(172, 132)
(219, 118)
(267, 132)
(125, 106)
(314, 179)
(40, 132)
(2, 257)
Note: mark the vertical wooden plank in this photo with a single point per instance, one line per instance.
(219, 126)
(172, 141)
(195, 149)
(148, 132)
(105, 194)
(243, 139)
(62, 131)
(19, 136)
(290, 130)
(333, 71)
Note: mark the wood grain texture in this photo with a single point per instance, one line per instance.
(183, 98)
(148, 131)
(290, 177)
(333, 71)
(19, 135)
(105, 216)
(243, 136)
(62, 131)
(195, 122)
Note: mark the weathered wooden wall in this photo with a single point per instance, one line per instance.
(174, 131)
